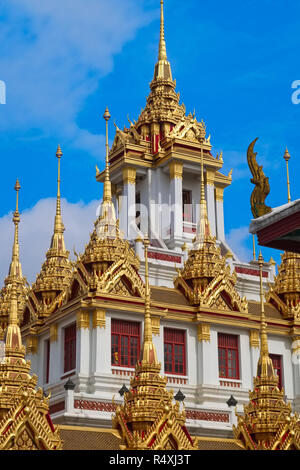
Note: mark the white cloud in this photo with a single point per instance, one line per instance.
(237, 239)
(55, 54)
(36, 229)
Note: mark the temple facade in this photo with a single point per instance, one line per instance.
(83, 321)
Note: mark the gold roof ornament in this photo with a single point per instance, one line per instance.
(287, 157)
(267, 423)
(48, 289)
(205, 279)
(25, 423)
(14, 274)
(109, 263)
(148, 419)
(285, 292)
(262, 186)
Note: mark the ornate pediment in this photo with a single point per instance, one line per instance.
(219, 293)
(189, 129)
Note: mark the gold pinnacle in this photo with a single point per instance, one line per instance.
(162, 55)
(254, 253)
(107, 184)
(287, 156)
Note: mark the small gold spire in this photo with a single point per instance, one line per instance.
(287, 157)
(107, 183)
(57, 241)
(148, 350)
(162, 54)
(254, 253)
(15, 268)
(265, 366)
(13, 343)
(203, 230)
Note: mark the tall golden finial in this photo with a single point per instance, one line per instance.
(254, 253)
(15, 268)
(13, 343)
(203, 230)
(57, 241)
(162, 53)
(265, 365)
(148, 350)
(287, 157)
(107, 183)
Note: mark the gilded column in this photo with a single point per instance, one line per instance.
(220, 232)
(210, 198)
(176, 172)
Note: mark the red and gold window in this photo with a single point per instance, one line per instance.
(175, 351)
(125, 343)
(228, 356)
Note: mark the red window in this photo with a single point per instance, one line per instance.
(70, 348)
(125, 343)
(228, 356)
(187, 206)
(174, 347)
(47, 360)
(277, 364)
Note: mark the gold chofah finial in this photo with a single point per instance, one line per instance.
(261, 182)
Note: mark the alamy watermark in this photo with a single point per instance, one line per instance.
(2, 92)
(296, 93)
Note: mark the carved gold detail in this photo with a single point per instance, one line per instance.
(210, 177)
(285, 292)
(176, 169)
(205, 279)
(203, 331)
(155, 321)
(148, 419)
(219, 194)
(82, 320)
(25, 423)
(267, 422)
(32, 344)
(254, 338)
(53, 333)
(129, 175)
(262, 187)
(99, 318)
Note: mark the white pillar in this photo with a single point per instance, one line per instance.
(210, 197)
(208, 370)
(101, 351)
(83, 349)
(129, 193)
(220, 232)
(176, 170)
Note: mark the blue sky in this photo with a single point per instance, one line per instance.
(63, 61)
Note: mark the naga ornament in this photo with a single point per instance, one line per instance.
(262, 187)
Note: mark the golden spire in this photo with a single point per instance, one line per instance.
(57, 242)
(15, 269)
(162, 67)
(287, 157)
(265, 365)
(106, 225)
(107, 183)
(162, 53)
(203, 231)
(148, 353)
(13, 335)
(254, 254)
